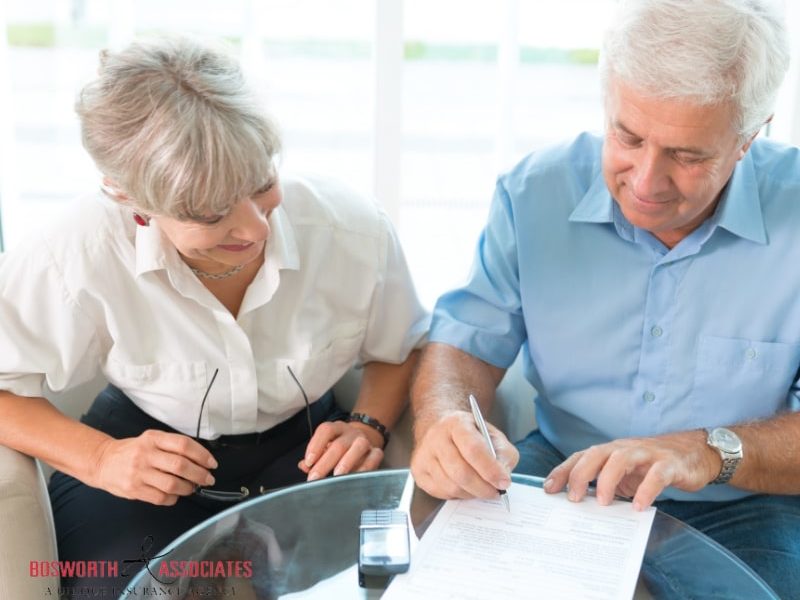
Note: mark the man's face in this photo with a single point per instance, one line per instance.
(665, 162)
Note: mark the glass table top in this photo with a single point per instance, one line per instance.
(302, 542)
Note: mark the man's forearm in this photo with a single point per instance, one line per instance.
(443, 381)
(771, 461)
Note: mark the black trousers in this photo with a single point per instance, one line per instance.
(93, 525)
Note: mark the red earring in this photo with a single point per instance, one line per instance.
(140, 220)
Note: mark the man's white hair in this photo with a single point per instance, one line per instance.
(706, 51)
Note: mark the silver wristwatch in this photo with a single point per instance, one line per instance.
(729, 447)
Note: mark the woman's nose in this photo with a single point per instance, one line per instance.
(250, 223)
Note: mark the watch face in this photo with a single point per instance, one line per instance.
(726, 440)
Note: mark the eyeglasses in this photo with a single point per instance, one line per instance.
(244, 492)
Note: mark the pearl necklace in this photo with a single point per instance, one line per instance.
(223, 275)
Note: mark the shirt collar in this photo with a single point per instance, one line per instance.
(739, 210)
(596, 206)
(282, 244)
(150, 251)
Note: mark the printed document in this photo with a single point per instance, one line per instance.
(546, 547)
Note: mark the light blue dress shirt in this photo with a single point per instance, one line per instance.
(620, 335)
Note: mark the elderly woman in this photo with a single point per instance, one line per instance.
(220, 301)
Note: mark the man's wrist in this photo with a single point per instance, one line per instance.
(712, 459)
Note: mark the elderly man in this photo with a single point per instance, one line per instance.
(651, 280)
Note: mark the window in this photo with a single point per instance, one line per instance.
(418, 102)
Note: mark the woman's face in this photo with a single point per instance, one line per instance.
(218, 242)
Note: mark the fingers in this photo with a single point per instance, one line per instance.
(641, 468)
(558, 477)
(177, 443)
(453, 461)
(155, 467)
(323, 436)
(488, 471)
(658, 477)
(431, 475)
(339, 448)
(178, 466)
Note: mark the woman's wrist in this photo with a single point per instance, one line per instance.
(371, 426)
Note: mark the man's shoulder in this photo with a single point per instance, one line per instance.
(577, 161)
(321, 201)
(776, 163)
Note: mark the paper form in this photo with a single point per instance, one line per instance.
(547, 547)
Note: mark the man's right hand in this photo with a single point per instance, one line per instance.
(155, 467)
(451, 459)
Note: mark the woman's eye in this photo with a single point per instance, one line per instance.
(209, 220)
(264, 189)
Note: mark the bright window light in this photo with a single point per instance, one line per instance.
(419, 103)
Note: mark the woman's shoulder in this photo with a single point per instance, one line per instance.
(316, 200)
(86, 230)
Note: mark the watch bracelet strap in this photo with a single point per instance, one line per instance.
(370, 422)
(726, 472)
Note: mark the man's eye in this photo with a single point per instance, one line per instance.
(688, 159)
(627, 139)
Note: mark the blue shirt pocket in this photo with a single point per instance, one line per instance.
(739, 379)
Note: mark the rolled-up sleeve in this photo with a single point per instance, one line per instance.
(397, 322)
(484, 317)
(45, 339)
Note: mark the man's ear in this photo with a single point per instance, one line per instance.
(743, 150)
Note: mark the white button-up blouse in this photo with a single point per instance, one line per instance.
(95, 291)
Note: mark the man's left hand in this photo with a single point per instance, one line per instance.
(638, 467)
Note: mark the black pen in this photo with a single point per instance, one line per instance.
(481, 424)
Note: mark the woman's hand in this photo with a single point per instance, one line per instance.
(342, 448)
(155, 467)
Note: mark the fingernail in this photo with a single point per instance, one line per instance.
(548, 484)
(637, 506)
(212, 463)
(210, 480)
(313, 476)
(310, 458)
(503, 483)
(573, 496)
(338, 471)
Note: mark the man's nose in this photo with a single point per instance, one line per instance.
(651, 176)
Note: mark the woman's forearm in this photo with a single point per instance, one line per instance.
(35, 427)
(384, 390)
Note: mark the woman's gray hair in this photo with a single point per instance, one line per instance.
(708, 51)
(172, 123)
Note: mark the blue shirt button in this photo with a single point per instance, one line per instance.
(648, 396)
(656, 331)
(751, 353)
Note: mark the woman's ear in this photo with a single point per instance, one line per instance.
(111, 189)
